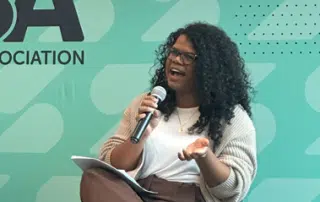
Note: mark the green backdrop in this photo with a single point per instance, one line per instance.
(50, 112)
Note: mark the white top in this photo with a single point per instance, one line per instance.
(236, 150)
(166, 141)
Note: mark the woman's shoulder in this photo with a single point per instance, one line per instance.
(241, 120)
(239, 126)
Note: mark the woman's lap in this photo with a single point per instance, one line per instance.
(98, 185)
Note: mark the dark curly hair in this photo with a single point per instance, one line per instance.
(221, 79)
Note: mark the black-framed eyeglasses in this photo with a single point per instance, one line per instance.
(187, 58)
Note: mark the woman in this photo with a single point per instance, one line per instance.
(200, 144)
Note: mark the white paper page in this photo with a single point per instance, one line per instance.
(87, 163)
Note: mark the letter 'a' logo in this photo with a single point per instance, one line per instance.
(63, 15)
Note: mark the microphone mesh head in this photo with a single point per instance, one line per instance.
(159, 92)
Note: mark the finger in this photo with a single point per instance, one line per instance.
(148, 131)
(195, 155)
(156, 113)
(140, 116)
(144, 109)
(152, 98)
(149, 103)
(181, 156)
(187, 155)
(205, 142)
(201, 152)
(154, 122)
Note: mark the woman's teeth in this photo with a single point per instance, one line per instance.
(177, 72)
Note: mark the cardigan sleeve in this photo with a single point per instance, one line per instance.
(122, 133)
(239, 153)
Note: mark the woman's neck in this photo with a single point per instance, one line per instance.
(186, 100)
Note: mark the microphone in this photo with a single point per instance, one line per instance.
(158, 92)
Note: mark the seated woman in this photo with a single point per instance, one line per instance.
(201, 142)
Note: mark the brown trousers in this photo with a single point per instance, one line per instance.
(101, 186)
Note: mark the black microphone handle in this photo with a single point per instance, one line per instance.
(140, 128)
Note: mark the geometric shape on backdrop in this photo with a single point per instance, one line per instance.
(314, 148)
(181, 13)
(116, 85)
(60, 188)
(163, 1)
(36, 131)
(95, 149)
(285, 189)
(265, 125)
(289, 22)
(51, 34)
(4, 179)
(312, 90)
(259, 71)
(96, 19)
(44, 4)
(20, 84)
